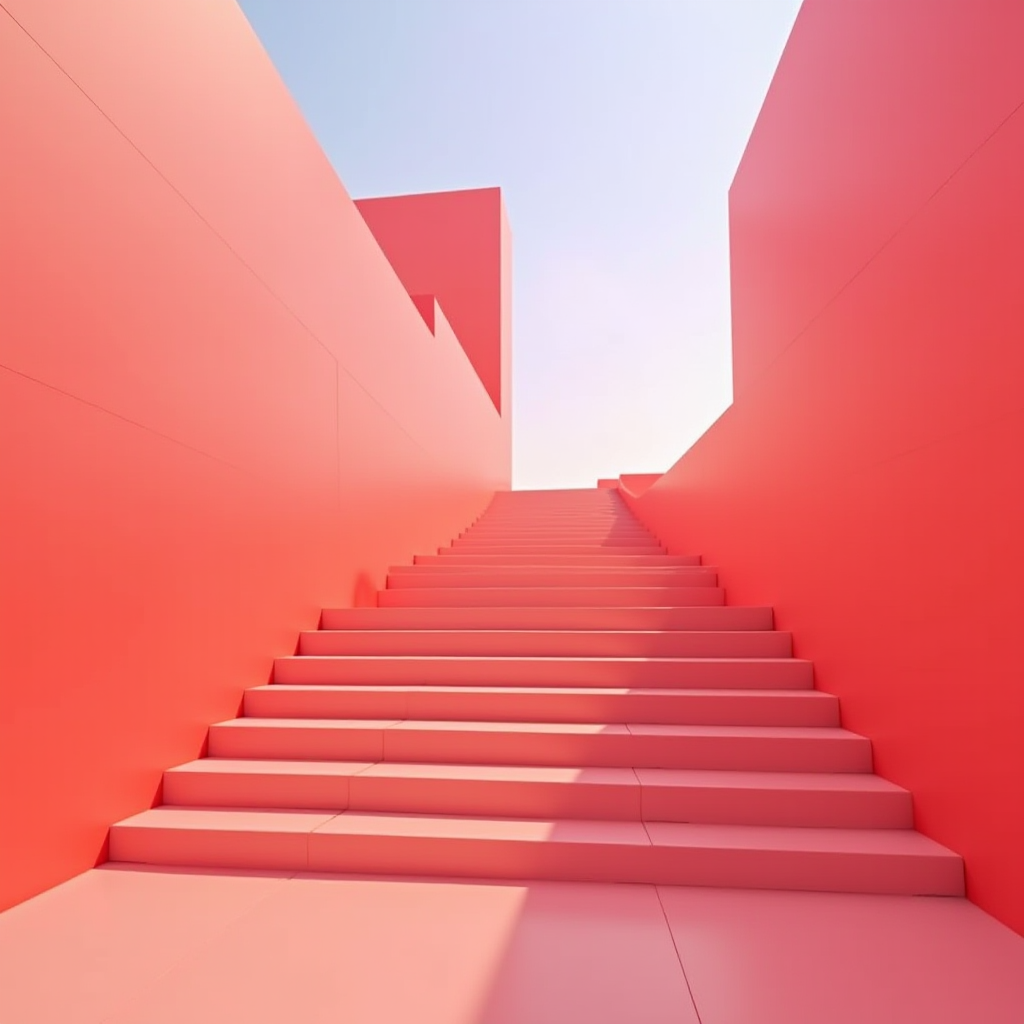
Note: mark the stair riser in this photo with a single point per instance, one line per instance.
(550, 549)
(247, 789)
(715, 644)
(596, 750)
(540, 519)
(599, 541)
(787, 808)
(520, 500)
(610, 509)
(629, 751)
(554, 578)
(585, 574)
(386, 795)
(588, 521)
(603, 508)
(617, 512)
(541, 800)
(451, 562)
(738, 674)
(638, 864)
(544, 619)
(570, 527)
(617, 518)
(538, 523)
(552, 597)
(795, 708)
(547, 529)
(536, 494)
(282, 743)
(485, 858)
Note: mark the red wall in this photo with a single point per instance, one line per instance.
(868, 479)
(219, 410)
(453, 246)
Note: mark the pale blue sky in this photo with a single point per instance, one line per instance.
(614, 128)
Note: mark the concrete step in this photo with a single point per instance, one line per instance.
(803, 800)
(703, 576)
(450, 561)
(595, 705)
(740, 856)
(674, 673)
(542, 619)
(554, 744)
(548, 643)
(551, 597)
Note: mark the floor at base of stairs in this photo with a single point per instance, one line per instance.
(127, 945)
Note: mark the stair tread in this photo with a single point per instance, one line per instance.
(533, 659)
(781, 837)
(528, 633)
(258, 766)
(546, 534)
(551, 597)
(226, 819)
(511, 670)
(509, 578)
(581, 776)
(467, 548)
(677, 835)
(532, 585)
(625, 619)
(575, 691)
(639, 730)
(630, 609)
(547, 561)
(547, 644)
(306, 723)
(531, 830)
(656, 568)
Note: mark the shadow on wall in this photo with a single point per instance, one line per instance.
(364, 592)
(866, 479)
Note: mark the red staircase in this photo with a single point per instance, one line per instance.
(555, 697)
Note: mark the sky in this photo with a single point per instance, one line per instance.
(614, 129)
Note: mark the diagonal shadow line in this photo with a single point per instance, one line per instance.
(675, 946)
(126, 419)
(234, 252)
(888, 242)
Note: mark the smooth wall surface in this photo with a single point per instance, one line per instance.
(868, 480)
(219, 409)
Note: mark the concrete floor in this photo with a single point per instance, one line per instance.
(124, 945)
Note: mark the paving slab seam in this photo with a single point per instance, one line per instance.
(679, 956)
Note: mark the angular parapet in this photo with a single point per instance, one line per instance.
(456, 248)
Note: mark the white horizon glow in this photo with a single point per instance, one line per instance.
(614, 128)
